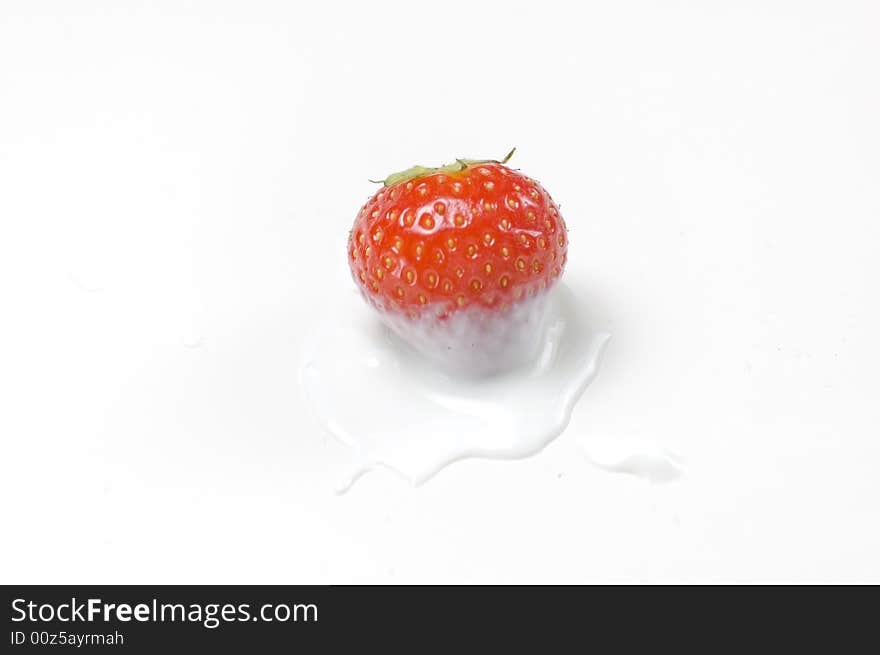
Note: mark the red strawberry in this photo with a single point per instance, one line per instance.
(457, 260)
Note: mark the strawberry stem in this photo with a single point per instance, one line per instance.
(456, 167)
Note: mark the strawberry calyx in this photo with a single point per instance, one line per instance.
(456, 167)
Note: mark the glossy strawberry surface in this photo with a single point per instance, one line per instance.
(482, 236)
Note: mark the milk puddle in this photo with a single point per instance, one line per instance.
(396, 411)
(636, 457)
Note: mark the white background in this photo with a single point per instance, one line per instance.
(176, 185)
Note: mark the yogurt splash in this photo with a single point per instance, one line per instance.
(395, 410)
(638, 457)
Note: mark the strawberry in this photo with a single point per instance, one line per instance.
(458, 259)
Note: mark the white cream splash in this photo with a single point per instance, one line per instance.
(395, 409)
